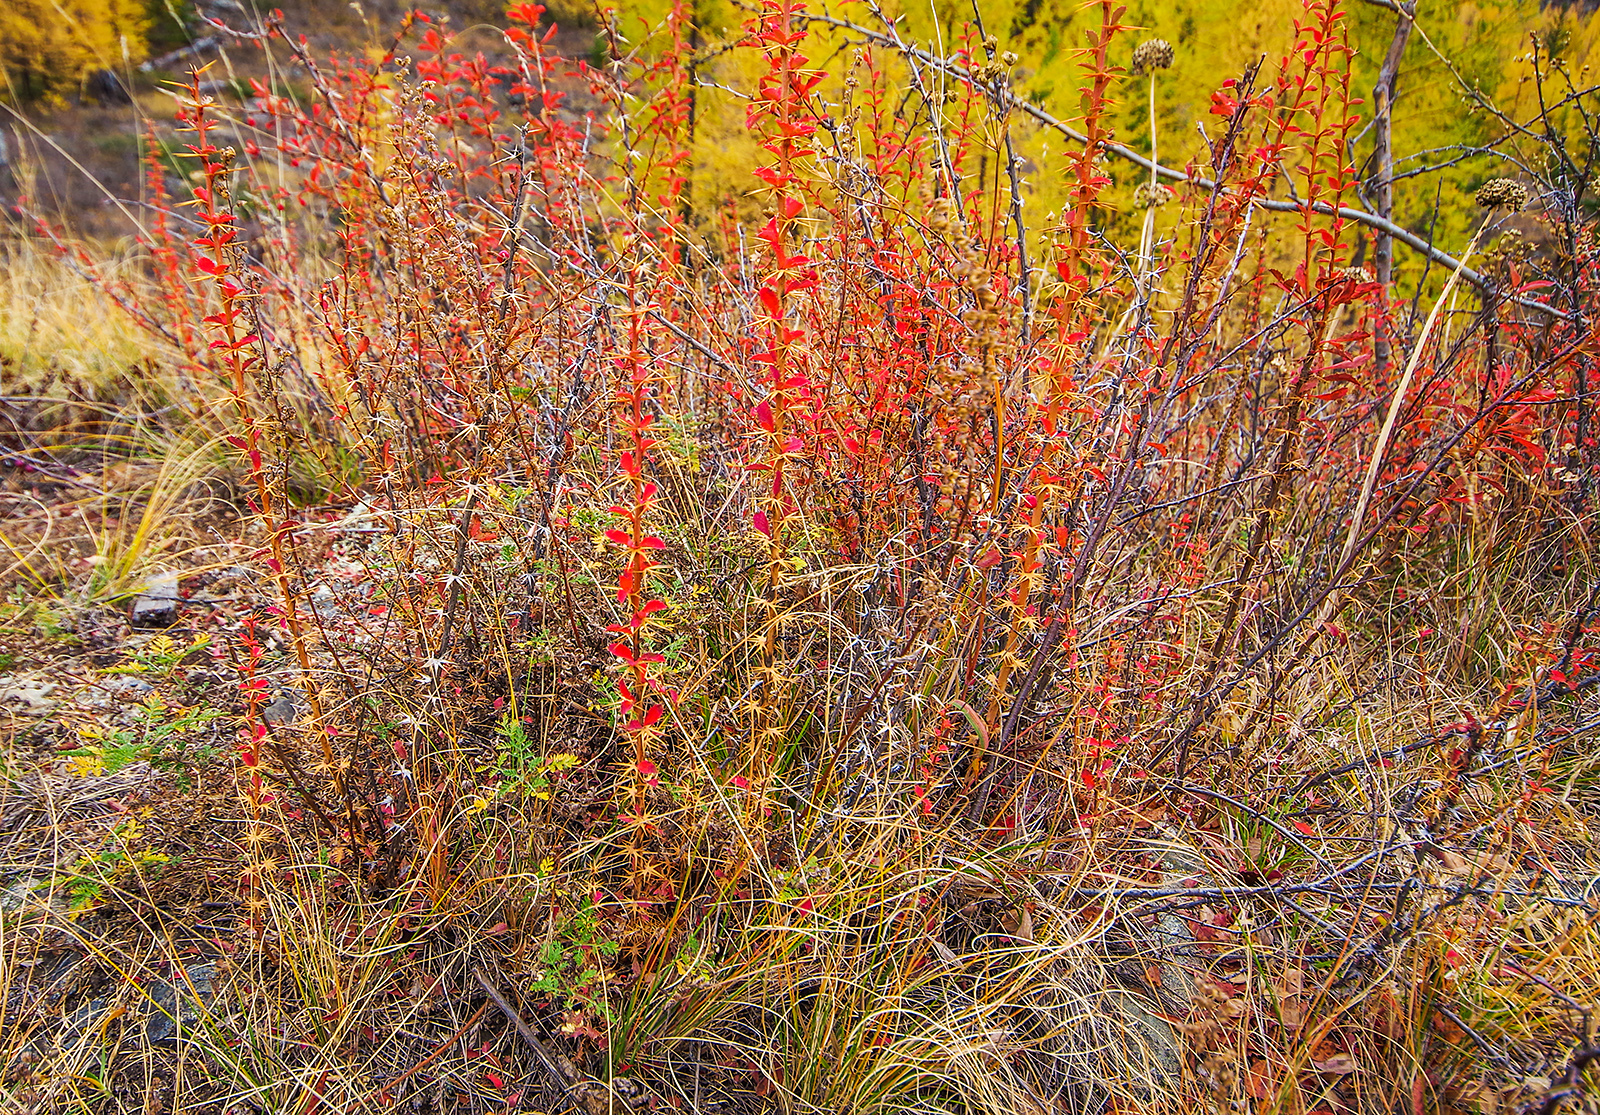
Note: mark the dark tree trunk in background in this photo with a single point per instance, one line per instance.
(1383, 168)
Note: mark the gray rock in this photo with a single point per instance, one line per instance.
(1180, 861)
(279, 712)
(26, 696)
(81, 1023)
(325, 602)
(20, 893)
(157, 602)
(126, 685)
(1154, 1048)
(93, 698)
(168, 1011)
(175, 1008)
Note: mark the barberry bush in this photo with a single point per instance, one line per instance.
(862, 642)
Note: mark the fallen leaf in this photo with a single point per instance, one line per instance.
(1290, 986)
(1258, 1080)
(1340, 1064)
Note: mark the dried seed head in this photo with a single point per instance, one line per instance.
(1346, 275)
(1149, 196)
(1502, 193)
(1152, 55)
(1511, 247)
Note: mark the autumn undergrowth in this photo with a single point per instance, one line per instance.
(865, 647)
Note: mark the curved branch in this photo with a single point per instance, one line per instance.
(1360, 216)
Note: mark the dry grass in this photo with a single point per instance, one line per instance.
(867, 959)
(61, 336)
(854, 863)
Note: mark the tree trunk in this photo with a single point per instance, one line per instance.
(1383, 164)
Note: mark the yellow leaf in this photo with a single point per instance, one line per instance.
(85, 766)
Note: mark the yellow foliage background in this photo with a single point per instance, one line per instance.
(1485, 42)
(48, 46)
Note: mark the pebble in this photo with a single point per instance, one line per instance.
(168, 1010)
(325, 602)
(27, 697)
(280, 712)
(157, 602)
(20, 893)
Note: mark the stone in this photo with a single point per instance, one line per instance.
(157, 602)
(1159, 1055)
(174, 1008)
(21, 892)
(325, 602)
(126, 685)
(26, 696)
(1180, 863)
(280, 713)
(167, 1010)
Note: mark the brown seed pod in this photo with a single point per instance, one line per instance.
(1502, 193)
(1148, 196)
(1152, 55)
(1341, 275)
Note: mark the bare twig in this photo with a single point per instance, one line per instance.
(1343, 212)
